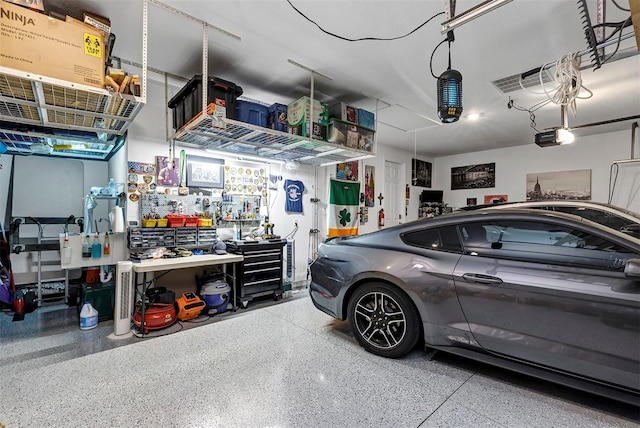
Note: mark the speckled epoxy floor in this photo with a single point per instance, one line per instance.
(279, 365)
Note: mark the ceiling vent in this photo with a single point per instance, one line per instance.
(511, 83)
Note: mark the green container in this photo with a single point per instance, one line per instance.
(102, 298)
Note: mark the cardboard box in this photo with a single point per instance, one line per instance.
(35, 43)
(299, 112)
(31, 4)
(99, 22)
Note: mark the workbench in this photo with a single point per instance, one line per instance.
(166, 265)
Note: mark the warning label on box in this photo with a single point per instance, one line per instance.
(92, 45)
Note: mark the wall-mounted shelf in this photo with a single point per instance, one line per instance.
(74, 120)
(239, 138)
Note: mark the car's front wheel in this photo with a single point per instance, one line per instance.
(383, 320)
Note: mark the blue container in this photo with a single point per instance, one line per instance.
(277, 118)
(217, 296)
(253, 113)
(366, 119)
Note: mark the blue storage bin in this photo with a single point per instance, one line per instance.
(366, 119)
(277, 118)
(253, 113)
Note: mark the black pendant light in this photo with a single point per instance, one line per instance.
(450, 91)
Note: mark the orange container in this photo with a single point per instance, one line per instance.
(191, 221)
(175, 220)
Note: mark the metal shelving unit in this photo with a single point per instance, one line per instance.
(74, 120)
(239, 138)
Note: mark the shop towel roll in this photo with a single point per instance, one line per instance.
(117, 219)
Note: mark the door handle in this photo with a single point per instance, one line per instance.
(481, 279)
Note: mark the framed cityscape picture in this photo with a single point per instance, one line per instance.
(421, 173)
(555, 185)
(473, 176)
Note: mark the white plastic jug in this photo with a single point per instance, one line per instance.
(88, 317)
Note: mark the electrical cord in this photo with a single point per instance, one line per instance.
(620, 7)
(360, 39)
(622, 25)
(568, 82)
(568, 79)
(531, 110)
(149, 334)
(431, 59)
(198, 320)
(291, 234)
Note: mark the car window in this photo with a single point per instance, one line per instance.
(603, 217)
(543, 242)
(443, 238)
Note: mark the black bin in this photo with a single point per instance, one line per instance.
(187, 103)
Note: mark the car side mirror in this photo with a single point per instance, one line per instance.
(632, 269)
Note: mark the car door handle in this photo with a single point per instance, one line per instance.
(481, 279)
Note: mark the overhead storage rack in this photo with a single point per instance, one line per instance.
(239, 138)
(45, 107)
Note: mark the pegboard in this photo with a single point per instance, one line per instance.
(159, 205)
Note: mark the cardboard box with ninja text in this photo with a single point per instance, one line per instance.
(36, 43)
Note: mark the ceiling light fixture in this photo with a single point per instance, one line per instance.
(450, 91)
(456, 21)
(473, 116)
(291, 165)
(564, 136)
(556, 136)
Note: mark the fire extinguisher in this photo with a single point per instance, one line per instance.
(381, 217)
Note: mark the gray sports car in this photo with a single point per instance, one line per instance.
(545, 293)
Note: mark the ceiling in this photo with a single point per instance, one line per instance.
(391, 78)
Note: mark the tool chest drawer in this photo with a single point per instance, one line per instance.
(260, 273)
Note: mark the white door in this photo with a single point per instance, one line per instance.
(391, 202)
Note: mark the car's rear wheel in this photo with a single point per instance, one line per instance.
(383, 320)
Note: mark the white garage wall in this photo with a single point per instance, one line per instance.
(596, 153)
(93, 173)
